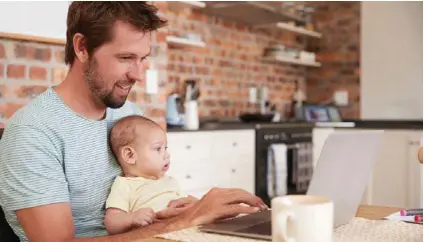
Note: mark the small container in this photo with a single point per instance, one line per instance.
(191, 115)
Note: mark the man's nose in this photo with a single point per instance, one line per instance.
(137, 71)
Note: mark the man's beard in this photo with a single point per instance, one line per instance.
(98, 87)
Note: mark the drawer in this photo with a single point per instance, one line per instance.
(196, 175)
(233, 142)
(243, 177)
(246, 158)
(189, 146)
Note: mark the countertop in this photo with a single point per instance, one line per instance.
(359, 124)
(363, 211)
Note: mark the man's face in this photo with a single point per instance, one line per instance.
(114, 67)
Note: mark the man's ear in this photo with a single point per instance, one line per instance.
(80, 47)
(128, 155)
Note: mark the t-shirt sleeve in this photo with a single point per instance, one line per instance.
(119, 196)
(31, 169)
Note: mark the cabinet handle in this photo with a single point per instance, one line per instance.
(233, 170)
(234, 144)
(188, 177)
(188, 147)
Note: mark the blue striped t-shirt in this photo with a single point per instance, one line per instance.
(49, 154)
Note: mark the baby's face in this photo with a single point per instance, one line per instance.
(152, 157)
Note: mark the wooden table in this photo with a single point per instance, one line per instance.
(364, 211)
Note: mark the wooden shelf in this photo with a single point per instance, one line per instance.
(31, 38)
(184, 41)
(252, 13)
(291, 28)
(180, 5)
(290, 60)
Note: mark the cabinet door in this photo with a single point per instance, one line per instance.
(243, 175)
(234, 153)
(415, 172)
(191, 163)
(189, 146)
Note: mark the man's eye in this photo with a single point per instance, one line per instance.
(158, 149)
(126, 58)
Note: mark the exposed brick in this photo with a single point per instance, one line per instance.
(7, 109)
(1, 70)
(60, 56)
(3, 90)
(38, 73)
(23, 50)
(2, 51)
(28, 91)
(339, 55)
(27, 51)
(58, 75)
(43, 54)
(16, 71)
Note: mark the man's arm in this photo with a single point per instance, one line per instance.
(53, 223)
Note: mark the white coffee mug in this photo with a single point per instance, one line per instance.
(302, 218)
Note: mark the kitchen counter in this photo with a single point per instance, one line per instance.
(359, 124)
(236, 125)
(363, 211)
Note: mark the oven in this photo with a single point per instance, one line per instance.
(298, 140)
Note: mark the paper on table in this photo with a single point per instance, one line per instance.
(397, 217)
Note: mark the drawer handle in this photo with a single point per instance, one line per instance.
(188, 147)
(234, 144)
(188, 177)
(233, 170)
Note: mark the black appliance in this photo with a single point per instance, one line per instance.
(290, 134)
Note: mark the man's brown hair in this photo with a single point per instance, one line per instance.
(95, 20)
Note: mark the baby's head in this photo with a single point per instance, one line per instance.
(139, 145)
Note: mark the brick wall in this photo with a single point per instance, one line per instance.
(339, 49)
(29, 68)
(230, 63)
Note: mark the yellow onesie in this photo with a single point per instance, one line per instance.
(132, 193)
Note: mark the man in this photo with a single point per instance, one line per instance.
(56, 166)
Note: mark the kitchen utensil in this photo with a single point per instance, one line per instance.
(195, 94)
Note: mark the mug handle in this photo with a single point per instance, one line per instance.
(282, 223)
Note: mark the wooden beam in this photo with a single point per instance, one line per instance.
(25, 37)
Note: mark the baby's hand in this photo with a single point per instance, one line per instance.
(143, 217)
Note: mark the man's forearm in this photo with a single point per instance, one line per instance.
(140, 234)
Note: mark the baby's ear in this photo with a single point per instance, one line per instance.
(128, 155)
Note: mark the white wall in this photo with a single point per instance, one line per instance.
(44, 19)
(391, 60)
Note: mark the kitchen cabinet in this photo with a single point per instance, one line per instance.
(202, 160)
(396, 179)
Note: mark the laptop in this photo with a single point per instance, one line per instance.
(341, 174)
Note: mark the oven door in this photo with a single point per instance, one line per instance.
(298, 170)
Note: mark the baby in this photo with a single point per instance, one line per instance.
(139, 145)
